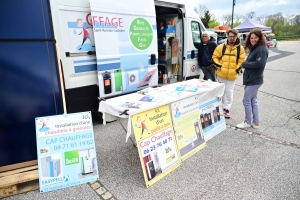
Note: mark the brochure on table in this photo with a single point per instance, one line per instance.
(187, 127)
(212, 118)
(65, 150)
(156, 143)
(124, 43)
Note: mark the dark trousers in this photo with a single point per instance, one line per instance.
(209, 72)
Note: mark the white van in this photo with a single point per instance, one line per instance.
(109, 48)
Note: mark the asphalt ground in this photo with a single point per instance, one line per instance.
(235, 164)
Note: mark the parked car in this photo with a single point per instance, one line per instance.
(221, 40)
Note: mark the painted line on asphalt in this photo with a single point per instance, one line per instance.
(265, 137)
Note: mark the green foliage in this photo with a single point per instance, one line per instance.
(213, 23)
(286, 29)
(236, 23)
(269, 22)
(206, 18)
(278, 28)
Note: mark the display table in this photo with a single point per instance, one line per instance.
(155, 97)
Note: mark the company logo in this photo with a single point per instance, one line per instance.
(52, 181)
(66, 178)
(43, 125)
(71, 157)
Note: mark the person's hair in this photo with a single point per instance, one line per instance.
(77, 21)
(234, 31)
(259, 34)
(206, 33)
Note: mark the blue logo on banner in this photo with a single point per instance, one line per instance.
(66, 178)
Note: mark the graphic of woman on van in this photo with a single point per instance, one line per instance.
(86, 34)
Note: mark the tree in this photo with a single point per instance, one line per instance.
(200, 10)
(236, 23)
(278, 28)
(268, 22)
(213, 23)
(289, 19)
(238, 20)
(276, 18)
(226, 19)
(287, 28)
(250, 15)
(206, 18)
(262, 19)
(297, 20)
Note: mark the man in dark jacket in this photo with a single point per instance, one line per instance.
(205, 52)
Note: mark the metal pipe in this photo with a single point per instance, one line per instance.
(233, 3)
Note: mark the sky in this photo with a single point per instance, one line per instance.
(260, 7)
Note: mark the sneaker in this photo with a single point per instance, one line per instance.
(243, 125)
(255, 125)
(226, 113)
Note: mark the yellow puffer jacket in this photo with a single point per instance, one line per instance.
(227, 67)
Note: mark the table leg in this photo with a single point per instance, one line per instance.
(134, 144)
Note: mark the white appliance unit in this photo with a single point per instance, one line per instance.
(86, 165)
(45, 166)
(50, 168)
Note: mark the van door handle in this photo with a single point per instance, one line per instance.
(153, 59)
(193, 54)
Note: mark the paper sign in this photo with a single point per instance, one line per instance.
(187, 127)
(66, 151)
(212, 118)
(156, 143)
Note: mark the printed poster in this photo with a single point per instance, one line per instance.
(66, 151)
(156, 143)
(212, 118)
(124, 43)
(187, 126)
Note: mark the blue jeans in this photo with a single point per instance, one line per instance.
(250, 104)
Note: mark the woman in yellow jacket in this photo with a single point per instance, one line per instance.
(227, 58)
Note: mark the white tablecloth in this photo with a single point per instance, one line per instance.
(113, 106)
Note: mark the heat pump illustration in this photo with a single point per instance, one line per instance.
(50, 168)
(133, 77)
(87, 165)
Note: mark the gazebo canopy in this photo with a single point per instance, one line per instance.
(250, 24)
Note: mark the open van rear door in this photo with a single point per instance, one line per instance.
(126, 45)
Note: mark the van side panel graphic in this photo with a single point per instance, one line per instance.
(132, 39)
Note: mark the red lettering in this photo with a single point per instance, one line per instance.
(107, 22)
(120, 22)
(94, 20)
(87, 19)
(100, 20)
(114, 23)
(153, 139)
(144, 144)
